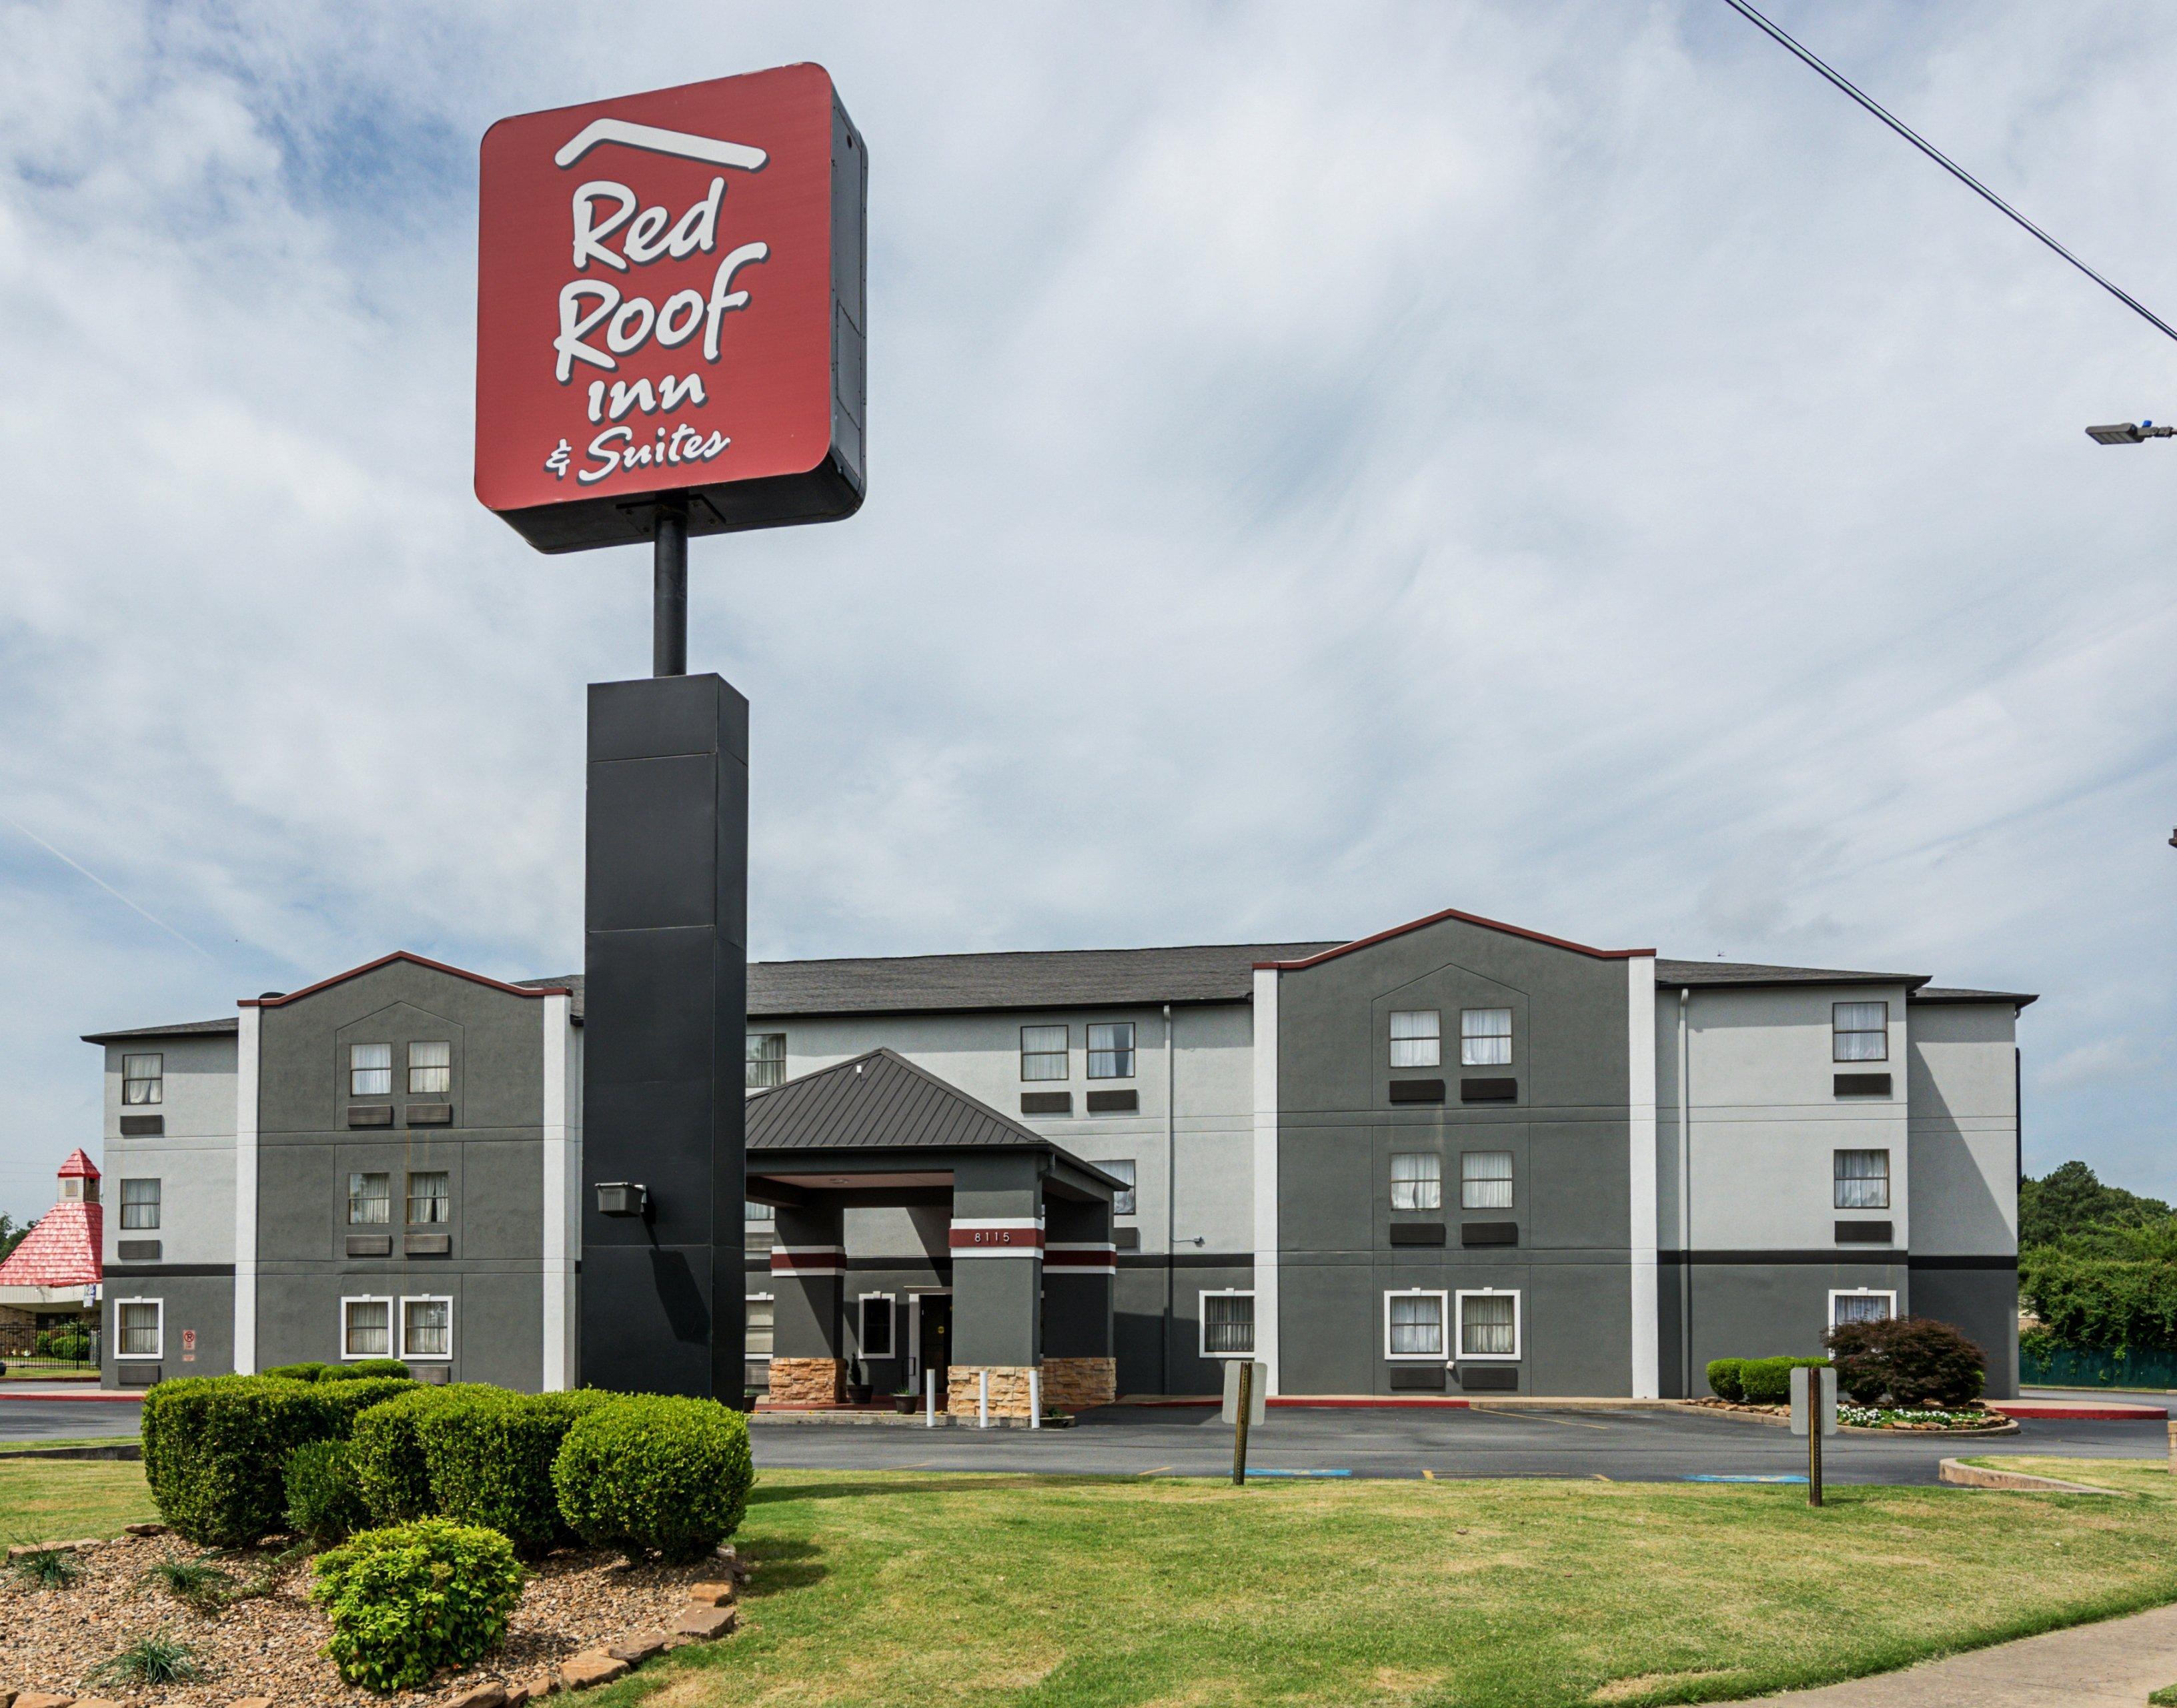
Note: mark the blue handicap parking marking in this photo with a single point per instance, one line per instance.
(1251, 1471)
(1788, 1476)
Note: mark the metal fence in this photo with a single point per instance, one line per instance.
(51, 1354)
(2084, 1366)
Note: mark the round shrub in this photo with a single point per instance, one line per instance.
(1723, 1379)
(364, 1368)
(324, 1503)
(215, 1448)
(70, 1344)
(488, 1453)
(390, 1466)
(650, 1473)
(1916, 1361)
(405, 1601)
(1766, 1381)
(296, 1372)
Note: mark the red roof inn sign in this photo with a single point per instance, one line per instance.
(670, 300)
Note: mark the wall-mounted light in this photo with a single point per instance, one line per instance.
(621, 1197)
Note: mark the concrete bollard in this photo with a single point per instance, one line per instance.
(929, 1399)
(1035, 1399)
(982, 1400)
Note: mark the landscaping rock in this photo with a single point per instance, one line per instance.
(6, 1698)
(97, 1702)
(490, 1694)
(707, 1622)
(592, 1667)
(637, 1649)
(19, 1549)
(516, 1694)
(539, 1685)
(33, 1698)
(160, 1529)
(711, 1594)
(251, 1702)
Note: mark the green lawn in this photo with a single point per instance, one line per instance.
(884, 1589)
(61, 1500)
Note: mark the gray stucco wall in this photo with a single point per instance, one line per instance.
(493, 1155)
(1568, 1133)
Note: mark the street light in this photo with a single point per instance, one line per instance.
(2128, 433)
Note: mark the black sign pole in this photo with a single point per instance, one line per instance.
(668, 579)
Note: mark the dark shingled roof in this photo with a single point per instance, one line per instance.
(883, 1101)
(1042, 978)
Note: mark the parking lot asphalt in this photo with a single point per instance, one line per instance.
(1663, 1445)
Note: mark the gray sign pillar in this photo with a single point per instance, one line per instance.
(664, 1025)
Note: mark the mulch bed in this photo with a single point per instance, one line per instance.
(271, 1644)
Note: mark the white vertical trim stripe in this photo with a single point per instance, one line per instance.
(1265, 1172)
(245, 1191)
(559, 1267)
(1641, 1139)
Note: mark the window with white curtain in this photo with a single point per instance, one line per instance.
(1122, 1203)
(143, 1079)
(1863, 1180)
(1416, 1179)
(366, 1328)
(1413, 1325)
(430, 1198)
(1861, 1304)
(1043, 1052)
(1228, 1325)
(139, 1204)
(369, 1199)
(766, 1060)
(1859, 1031)
(430, 1069)
(427, 1327)
(1416, 1038)
(1488, 1324)
(1485, 1037)
(1485, 1180)
(1111, 1050)
(370, 1070)
(140, 1322)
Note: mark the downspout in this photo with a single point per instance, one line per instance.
(1171, 1210)
(1685, 1194)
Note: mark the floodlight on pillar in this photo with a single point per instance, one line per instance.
(621, 1197)
(2130, 432)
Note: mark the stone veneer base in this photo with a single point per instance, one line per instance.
(1009, 1391)
(807, 1381)
(1078, 1384)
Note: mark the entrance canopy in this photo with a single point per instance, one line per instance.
(878, 1132)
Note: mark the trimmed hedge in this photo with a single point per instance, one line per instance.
(405, 1601)
(215, 1448)
(650, 1473)
(363, 1368)
(1724, 1378)
(296, 1372)
(324, 1504)
(390, 1468)
(1768, 1380)
(488, 1456)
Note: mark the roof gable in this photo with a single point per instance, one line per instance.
(284, 997)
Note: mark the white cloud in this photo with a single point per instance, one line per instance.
(1326, 464)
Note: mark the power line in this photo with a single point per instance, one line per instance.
(1951, 166)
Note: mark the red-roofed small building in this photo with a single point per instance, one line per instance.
(54, 1274)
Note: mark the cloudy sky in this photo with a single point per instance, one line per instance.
(1326, 464)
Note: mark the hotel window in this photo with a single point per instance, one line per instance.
(1417, 1181)
(428, 1200)
(1485, 1180)
(140, 1203)
(370, 1070)
(427, 1327)
(1863, 1180)
(1860, 1305)
(366, 1328)
(751, 1211)
(1485, 1037)
(767, 1060)
(143, 1079)
(430, 1069)
(1489, 1325)
(1111, 1050)
(1859, 1031)
(1043, 1052)
(876, 1325)
(141, 1326)
(369, 1200)
(1413, 1325)
(1228, 1325)
(1122, 1202)
(1416, 1038)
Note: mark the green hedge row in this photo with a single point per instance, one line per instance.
(1757, 1381)
(641, 1471)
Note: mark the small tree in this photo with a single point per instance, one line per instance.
(1916, 1361)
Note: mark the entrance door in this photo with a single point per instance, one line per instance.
(937, 1335)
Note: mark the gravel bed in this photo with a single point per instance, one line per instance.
(271, 1645)
(1996, 1424)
